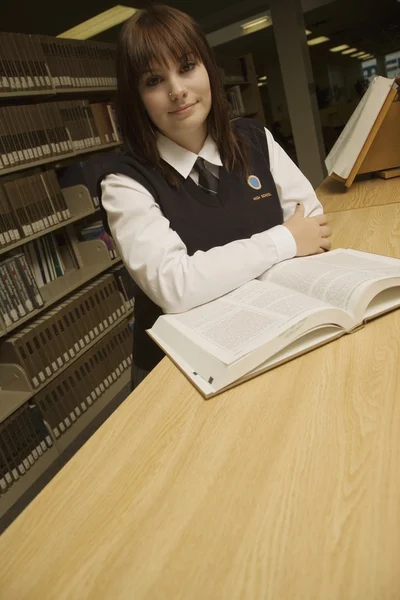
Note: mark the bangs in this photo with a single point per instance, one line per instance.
(158, 43)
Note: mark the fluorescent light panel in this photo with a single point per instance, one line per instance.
(365, 56)
(261, 21)
(101, 22)
(256, 24)
(349, 51)
(339, 48)
(318, 40)
(357, 54)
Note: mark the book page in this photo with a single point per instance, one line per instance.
(347, 147)
(338, 278)
(248, 316)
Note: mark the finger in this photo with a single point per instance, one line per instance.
(321, 219)
(325, 243)
(325, 231)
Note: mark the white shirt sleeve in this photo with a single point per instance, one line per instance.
(290, 182)
(157, 258)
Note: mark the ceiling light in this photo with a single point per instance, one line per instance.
(239, 29)
(308, 32)
(263, 78)
(318, 40)
(257, 24)
(366, 56)
(105, 20)
(349, 51)
(357, 54)
(339, 48)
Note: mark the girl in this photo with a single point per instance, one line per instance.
(197, 205)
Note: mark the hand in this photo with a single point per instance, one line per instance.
(311, 234)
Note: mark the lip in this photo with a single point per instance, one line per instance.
(182, 109)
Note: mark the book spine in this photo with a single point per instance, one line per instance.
(30, 133)
(26, 436)
(29, 280)
(35, 263)
(42, 252)
(16, 196)
(46, 181)
(12, 292)
(6, 308)
(22, 134)
(43, 435)
(6, 478)
(8, 130)
(33, 62)
(16, 278)
(5, 85)
(5, 238)
(7, 446)
(12, 69)
(20, 42)
(10, 112)
(12, 442)
(32, 435)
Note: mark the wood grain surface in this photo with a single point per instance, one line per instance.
(284, 488)
(334, 197)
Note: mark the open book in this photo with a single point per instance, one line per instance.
(371, 110)
(294, 307)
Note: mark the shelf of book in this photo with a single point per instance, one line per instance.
(59, 158)
(56, 290)
(88, 346)
(57, 92)
(26, 481)
(84, 421)
(116, 391)
(80, 205)
(55, 99)
(11, 399)
(239, 79)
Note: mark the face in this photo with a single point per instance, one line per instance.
(178, 98)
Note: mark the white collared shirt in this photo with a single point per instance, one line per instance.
(157, 258)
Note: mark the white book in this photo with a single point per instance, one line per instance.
(294, 307)
(348, 146)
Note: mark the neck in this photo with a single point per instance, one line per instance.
(193, 141)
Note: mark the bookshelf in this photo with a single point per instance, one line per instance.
(80, 205)
(26, 395)
(108, 396)
(241, 87)
(50, 93)
(24, 483)
(65, 301)
(57, 159)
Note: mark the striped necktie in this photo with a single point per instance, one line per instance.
(207, 180)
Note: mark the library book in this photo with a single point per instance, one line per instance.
(369, 133)
(296, 306)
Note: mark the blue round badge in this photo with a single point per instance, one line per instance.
(254, 182)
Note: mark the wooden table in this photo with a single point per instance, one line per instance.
(284, 488)
(335, 197)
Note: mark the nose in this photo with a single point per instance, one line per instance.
(177, 89)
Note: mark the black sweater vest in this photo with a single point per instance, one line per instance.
(240, 209)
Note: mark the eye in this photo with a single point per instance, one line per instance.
(188, 65)
(153, 80)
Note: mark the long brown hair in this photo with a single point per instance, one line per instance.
(162, 34)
